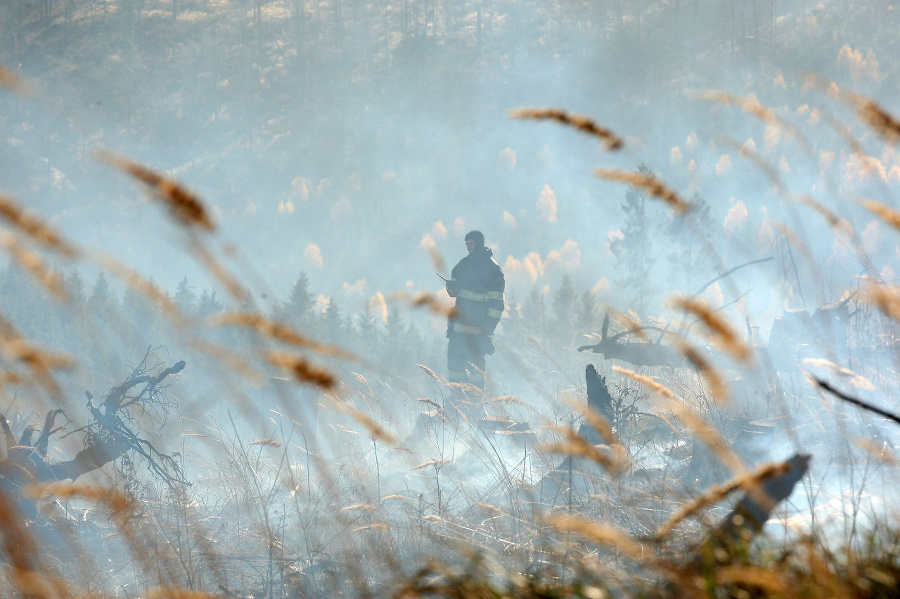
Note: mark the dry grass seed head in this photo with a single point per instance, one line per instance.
(428, 300)
(219, 272)
(185, 207)
(375, 430)
(745, 152)
(648, 184)
(751, 106)
(721, 332)
(234, 361)
(34, 228)
(435, 462)
(881, 121)
(884, 297)
(878, 451)
(887, 214)
(177, 593)
(431, 373)
(830, 217)
(717, 387)
(600, 533)
(266, 443)
(275, 330)
(52, 281)
(690, 419)
(301, 369)
(719, 492)
(854, 379)
(768, 580)
(13, 82)
(580, 122)
(146, 288)
(437, 259)
(611, 457)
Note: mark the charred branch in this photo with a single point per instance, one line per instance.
(112, 433)
(750, 514)
(857, 402)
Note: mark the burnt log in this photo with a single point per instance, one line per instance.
(108, 437)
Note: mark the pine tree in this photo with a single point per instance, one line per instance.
(564, 304)
(298, 310)
(185, 298)
(587, 316)
(333, 322)
(209, 304)
(367, 328)
(634, 249)
(689, 264)
(534, 312)
(75, 289)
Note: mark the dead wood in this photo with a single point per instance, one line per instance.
(750, 514)
(857, 402)
(112, 433)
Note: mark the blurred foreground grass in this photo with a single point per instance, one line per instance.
(282, 478)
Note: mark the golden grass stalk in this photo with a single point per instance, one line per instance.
(32, 262)
(431, 403)
(219, 272)
(719, 492)
(887, 214)
(13, 82)
(698, 425)
(751, 106)
(266, 443)
(830, 217)
(767, 579)
(275, 330)
(884, 297)
(599, 423)
(647, 382)
(301, 369)
(34, 228)
(39, 361)
(437, 259)
(184, 206)
(230, 359)
(375, 429)
(648, 184)
(360, 507)
(721, 332)
(431, 373)
(435, 462)
(758, 161)
(854, 379)
(878, 451)
(428, 300)
(600, 533)
(612, 457)
(580, 122)
(717, 387)
(177, 593)
(119, 503)
(880, 120)
(148, 289)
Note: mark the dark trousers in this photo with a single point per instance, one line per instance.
(465, 359)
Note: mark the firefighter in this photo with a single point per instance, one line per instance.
(477, 283)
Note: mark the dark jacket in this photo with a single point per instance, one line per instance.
(477, 283)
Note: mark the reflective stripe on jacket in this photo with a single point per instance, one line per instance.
(478, 284)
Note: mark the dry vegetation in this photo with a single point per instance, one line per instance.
(358, 486)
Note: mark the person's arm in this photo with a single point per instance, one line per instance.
(451, 285)
(496, 302)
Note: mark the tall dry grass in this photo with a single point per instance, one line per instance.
(476, 495)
